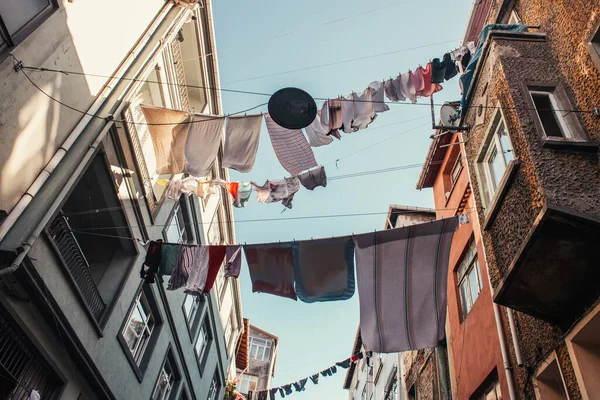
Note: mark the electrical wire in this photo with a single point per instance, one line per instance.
(387, 53)
(67, 72)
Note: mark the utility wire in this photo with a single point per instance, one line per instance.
(304, 217)
(67, 72)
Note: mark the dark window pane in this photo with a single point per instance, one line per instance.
(17, 13)
(547, 115)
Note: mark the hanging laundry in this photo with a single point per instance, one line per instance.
(169, 253)
(325, 114)
(450, 67)
(176, 188)
(438, 71)
(402, 275)
(463, 218)
(262, 395)
(206, 263)
(278, 190)
(333, 369)
(354, 358)
(407, 86)
(291, 147)
(202, 144)
(242, 135)
(299, 386)
(272, 268)
(379, 105)
(272, 393)
(364, 112)
(335, 114)
(418, 80)
(207, 188)
(324, 269)
(243, 194)
(313, 178)
(34, 395)
(398, 86)
(317, 132)
(153, 258)
(429, 87)
(183, 268)
(390, 90)
(344, 364)
(233, 261)
(348, 113)
(315, 379)
(168, 131)
(281, 392)
(288, 389)
(325, 373)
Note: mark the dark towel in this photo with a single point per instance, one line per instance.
(438, 71)
(315, 379)
(450, 67)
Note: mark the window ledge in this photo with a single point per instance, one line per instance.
(566, 144)
(494, 206)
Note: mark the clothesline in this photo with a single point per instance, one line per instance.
(300, 385)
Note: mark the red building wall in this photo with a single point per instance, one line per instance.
(473, 344)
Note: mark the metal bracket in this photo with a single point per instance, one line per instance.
(18, 65)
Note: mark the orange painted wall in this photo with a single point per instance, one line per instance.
(473, 343)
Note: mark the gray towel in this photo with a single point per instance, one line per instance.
(291, 147)
(402, 276)
(241, 142)
(202, 145)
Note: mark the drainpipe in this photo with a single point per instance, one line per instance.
(510, 381)
(100, 100)
(141, 55)
(515, 340)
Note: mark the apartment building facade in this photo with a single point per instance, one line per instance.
(256, 359)
(77, 317)
(472, 337)
(531, 153)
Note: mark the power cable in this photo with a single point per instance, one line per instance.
(387, 53)
(19, 66)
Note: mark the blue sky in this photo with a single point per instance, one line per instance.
(269, 37)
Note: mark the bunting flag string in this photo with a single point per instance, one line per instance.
(300, 385)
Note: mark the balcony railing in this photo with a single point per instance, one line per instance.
(21, 368)
(73, 258)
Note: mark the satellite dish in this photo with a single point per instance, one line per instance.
(448, 115)
(292, 108)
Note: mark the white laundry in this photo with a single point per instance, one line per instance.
(316, 132)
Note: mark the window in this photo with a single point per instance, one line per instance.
(260, 349)
(412, 393)
(469, 280)
(93, 246)
(175, 230)
(220, 283)
(593, 45)
(247, 384)
(456, 170)
(213, 390)
(22, 367)
(391, 390)
(552, 121)
(165, 382)
(18, 19)
(363, 395)
(214, 231)
(191, 307)
(139, 328)
(202, 341)
(491, 392)
(229, 329)
(549, 382)
(494, 157)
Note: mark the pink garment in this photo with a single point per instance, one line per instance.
(379, 105)
(335, 114)
(348, 112)
(398, 87)
(291, 147)
(429, 88)
(407, 86)
(418, 79)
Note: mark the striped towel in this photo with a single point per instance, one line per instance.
(291, 147)
(324, 269)
(183, 267)
(402, 277)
